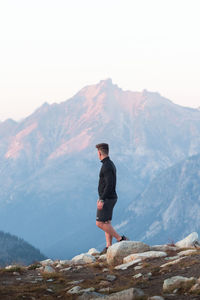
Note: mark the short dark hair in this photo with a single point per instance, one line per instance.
(103, 147)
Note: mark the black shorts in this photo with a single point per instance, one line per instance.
(105, 214)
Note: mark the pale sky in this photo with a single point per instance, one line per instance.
(50, 49)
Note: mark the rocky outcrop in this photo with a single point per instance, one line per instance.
(88, 276)
(177, 283)
(189, 241)
(118, 251)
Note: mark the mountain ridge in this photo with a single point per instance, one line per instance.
(49, 167)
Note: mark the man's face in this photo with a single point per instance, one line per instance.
(99, 154)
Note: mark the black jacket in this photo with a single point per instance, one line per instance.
(107, 180)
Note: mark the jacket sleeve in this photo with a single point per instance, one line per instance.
(109, 183)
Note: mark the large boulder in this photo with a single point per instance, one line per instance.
(189, 241)
(118, 251)
(177, 283)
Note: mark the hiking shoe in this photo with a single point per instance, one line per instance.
(104, 251)
(124, 238)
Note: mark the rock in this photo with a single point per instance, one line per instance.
(118, 251)
(195, 289)
(105, 290)
(163, 248)
(65, 262)
(187, 252)
(79, 267)
(83, 258)
(111, 277)
(74, 290)
(129, 294)
(172, 257)
(88, 290)
(105, 270)
(46, 262)
(11, 267)
(144, 255)
(189, 241)
(75, 282)
(90, 295)
(102, 257)
(172, 262)
(137, 275)
(65, 269)
(156, 298)
(49, 269)
(177, 283)
(16, 273)
(104, 283)
(127, 265)
(93, 251)
(138, 268)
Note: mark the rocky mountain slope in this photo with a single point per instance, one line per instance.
(130, 270)
(49, 167)
(171, 201)
(16, 250)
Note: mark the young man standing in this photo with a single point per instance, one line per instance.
(107, 196)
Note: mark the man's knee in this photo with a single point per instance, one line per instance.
(99, 224)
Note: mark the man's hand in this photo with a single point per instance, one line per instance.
(100, 204)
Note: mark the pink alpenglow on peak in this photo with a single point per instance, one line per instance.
(17, 143)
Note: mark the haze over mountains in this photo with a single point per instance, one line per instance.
(49, 166)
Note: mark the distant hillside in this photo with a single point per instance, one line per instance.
(16, 250)
(169, 208)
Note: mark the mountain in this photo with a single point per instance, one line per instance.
(49, 166)
(169, 208)
(16, 250)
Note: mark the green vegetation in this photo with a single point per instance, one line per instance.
(14, 250)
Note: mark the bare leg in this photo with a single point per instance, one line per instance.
(107, 228)
(108, 238)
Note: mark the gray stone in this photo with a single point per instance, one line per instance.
(195, 289)
(172, 257)
(156, 298)
(189, 241)
(83, 258)
(93, 251)
(65, 262)
(164, 248)
(172, 262)
(49, 269)
(178, 282)
(138, 268)
(118, 251)
(102, 257)
(66, 269)
(90, 295)
(144, 255)
(75, 282)
(127, 265)
(187, 252)
(74, 290)
(137, 275)
(111, 277)
(47, 262)
(130, 294)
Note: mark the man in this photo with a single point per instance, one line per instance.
(107, 196)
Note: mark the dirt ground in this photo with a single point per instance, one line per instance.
(30, 284)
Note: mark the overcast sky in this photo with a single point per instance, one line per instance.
(50, 49)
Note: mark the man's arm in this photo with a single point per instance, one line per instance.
(109, 183)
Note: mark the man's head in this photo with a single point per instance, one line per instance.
(103, 150)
